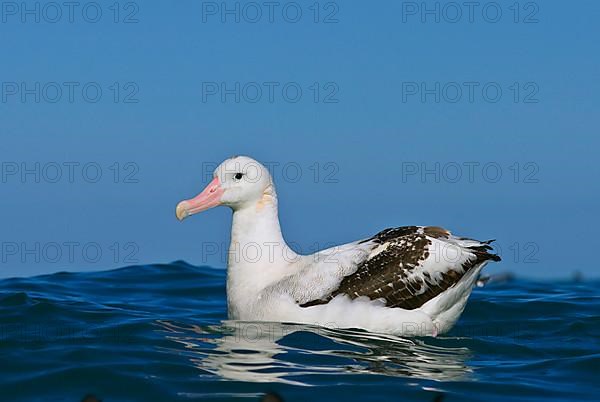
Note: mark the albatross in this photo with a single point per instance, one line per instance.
(409, 281)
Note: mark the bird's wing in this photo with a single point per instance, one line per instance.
(404, 266)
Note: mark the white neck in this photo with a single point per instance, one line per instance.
(258, 254)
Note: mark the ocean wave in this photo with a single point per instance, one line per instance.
(159, 332)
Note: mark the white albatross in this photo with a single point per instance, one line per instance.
(412, 280)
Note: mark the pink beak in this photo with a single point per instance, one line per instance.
(209, 197)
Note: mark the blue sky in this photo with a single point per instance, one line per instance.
(484, 121)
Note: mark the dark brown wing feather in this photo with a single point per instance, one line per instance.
(386, 275)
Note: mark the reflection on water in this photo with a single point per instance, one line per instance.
(275, 352)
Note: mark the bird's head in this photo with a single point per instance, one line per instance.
(238, 182)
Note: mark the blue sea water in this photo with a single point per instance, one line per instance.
(159, 333)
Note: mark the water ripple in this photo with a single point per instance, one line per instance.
(159, 332)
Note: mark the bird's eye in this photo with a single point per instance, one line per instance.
(238, 176)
